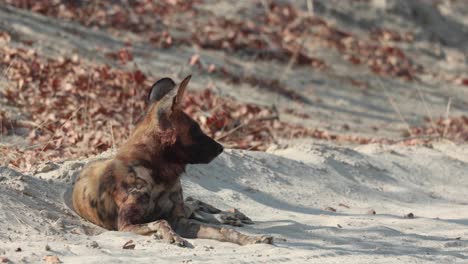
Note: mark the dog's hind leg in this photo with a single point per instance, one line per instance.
(206, 213)
(190, 229)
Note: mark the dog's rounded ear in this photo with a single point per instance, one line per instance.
(172, 100)
(160, 89)
(180, 92)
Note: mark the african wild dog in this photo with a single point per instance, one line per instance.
(139, 190)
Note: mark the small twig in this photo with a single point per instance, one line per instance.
(447, 113)
(302, 38)
(231, 131)
(272, 134)
(397, 110)
(27, 123)
(19, 220)
(425, 107)
(265, 5)
(87, 103)
(395, 107)
(255, 146)
(1, 130)
(112, 137)
(133, 16)
(12, 127)
(132, 100)
(310, 6)
(274, 117)
(6, 70)
(293, 59)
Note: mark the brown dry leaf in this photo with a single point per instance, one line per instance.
(125, 55)
(211, 68)
(194, 60)
(139, 77)
(129, 245)
(4, 37)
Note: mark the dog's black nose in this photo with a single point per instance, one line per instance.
(220, 148)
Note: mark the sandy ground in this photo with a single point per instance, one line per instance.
(286, 192)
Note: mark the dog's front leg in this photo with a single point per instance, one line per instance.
(206, 213)
(130, 215)
(190, 229)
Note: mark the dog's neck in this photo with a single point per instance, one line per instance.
(149, 152)
(167, 172)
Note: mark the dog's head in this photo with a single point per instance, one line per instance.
(181, 137)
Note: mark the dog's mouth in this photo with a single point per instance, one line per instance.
(196, 153)
(205, 153)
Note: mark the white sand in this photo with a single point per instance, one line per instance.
(284, 192)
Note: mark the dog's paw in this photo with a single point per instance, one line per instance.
(263, 240)
(235, 216)
(250, 240)
(172, 238)
(179, 241)
(164, 231)
(227, 220)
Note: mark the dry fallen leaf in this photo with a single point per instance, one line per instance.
(194, 60)
(129, 245)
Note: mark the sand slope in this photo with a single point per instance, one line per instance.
(284, 192)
